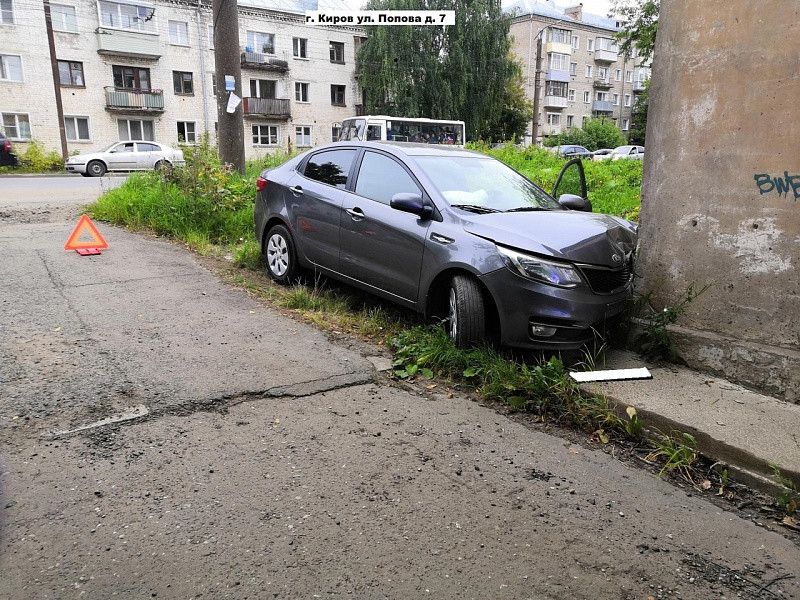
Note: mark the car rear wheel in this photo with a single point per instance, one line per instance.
(163, 164)
(96, 169)
(467, 313)
(281, 256)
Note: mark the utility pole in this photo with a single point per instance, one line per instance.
(48, 21)
(537, 85)
(230, 134)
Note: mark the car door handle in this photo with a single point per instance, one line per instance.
(296, 190)
(356, 213)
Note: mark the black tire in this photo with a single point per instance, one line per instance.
(96, 169)
(280, 255)
(85, 175)
(467, 314)
(163, 164)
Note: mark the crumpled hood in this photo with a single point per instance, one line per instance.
(568, 235)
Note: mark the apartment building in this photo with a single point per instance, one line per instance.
(582, 74)
(136, 69)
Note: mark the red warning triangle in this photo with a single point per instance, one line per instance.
(85, 224)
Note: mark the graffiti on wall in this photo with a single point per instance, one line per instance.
(782, 185)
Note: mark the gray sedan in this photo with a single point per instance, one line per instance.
(453, 234)
(125, 156)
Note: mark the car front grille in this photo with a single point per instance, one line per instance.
(606, 281)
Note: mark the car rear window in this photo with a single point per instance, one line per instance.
(331, 167)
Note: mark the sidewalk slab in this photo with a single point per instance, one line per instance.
(744, 429)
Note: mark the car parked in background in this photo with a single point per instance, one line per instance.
(629, 152)
(126, 156)
(454, 234)
(602, 154)
(7, 157)
(572, 151)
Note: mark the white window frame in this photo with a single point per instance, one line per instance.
(76, 129)
(570, 121)
(602, 73)
(213, 84)
(601, 96)
(618, 75)
(573, 69)
(258, 48)
(5, 69)
(186, 139)
(269, 135)
(210, 37)
(587, 97)
(571, 94)
(60, 18)
(299, 142)
(334, 127)
(576, 42)
(16, 115)
(297, 47)
(9, 10)
(558, 62)
(178, 36)
(128, 121)
(299, 89)
(589, 71)
(629, 76)
(145, 21)
(626, 124)
(627, 100)
(554, 119)
(590, 44)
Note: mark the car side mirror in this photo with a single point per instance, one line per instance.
(411, 203)
(575, 202)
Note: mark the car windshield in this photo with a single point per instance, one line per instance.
(484, 184)
(622, 149)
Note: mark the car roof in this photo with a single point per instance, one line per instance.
(407, 148)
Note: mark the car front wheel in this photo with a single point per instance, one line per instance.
(96, 169)
(467, 314)
(280, 254)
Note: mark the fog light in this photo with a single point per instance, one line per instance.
(542, 331)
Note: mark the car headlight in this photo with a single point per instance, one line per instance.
(538, 269)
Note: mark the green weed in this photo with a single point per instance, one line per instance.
(679, 451)
(789, 496)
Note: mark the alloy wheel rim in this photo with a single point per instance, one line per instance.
(277, 255)
(453, 314)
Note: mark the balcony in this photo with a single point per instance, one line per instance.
(602, 84)
(639, 86)
(128, 43)
(605, 56)
(558, 47)
(150, 101)
(264, 62)
(557, 75)
(267, 107)
(555, 102)
(602, 106)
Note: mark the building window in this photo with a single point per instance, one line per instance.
(601, 96)
(554, 119)
(263, 88)
(560, 36)
(182, 83)
(265, 135)
(186, 132)
(7, 12)
(10, 67)
(179, 33)
(576, 42)
(627, 99)
(136, 129)
(558, 62)
(618, 75)
(573, 69)
(616, 99)
(571, 95)
(213, 84)
(556, 88)
(302, 136)
(131, 78)
(626, 124)
(606, 44)
(337, 52)
(586, 97)
(71, 73)
(300, 91)
(590, 44)
(262, 43)
(336, 131)
(588, 70)
(211, 37)
(602, 73)
(64, 18)
(128, 16)
(570, 121)
(337, 95)
(300, 47)
(629, 76)
(77, 129)
(17, 126)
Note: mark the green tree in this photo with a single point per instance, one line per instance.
(639, 116)
(461, 71)
(516, 112)
(595, 134)
(639, 19)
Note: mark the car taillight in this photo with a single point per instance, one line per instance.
(261, 184)
(7, 146)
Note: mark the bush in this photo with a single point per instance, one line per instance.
(595, 134)
(36, 160)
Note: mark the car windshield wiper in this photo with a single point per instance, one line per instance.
(527, 209)
(475, 208)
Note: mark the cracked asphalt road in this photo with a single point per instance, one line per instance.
(266, 461)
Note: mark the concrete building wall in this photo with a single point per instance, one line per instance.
(722, 184)
(34, 97)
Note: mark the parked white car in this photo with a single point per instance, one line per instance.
(602, 154)
(634, 152)
(126, 156)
